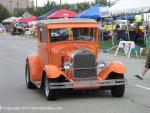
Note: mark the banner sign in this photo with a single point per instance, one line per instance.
(127, 47)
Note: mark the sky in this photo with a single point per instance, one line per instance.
(41, 2)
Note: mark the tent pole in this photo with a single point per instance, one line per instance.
(112, 30)
(127, 28)
(145, 29)
(102, 29)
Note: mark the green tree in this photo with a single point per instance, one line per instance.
(74, 7)
(4, 13)
(49, 5)
(83, 6)
(103, 2)
(31, 11)
(18, 12)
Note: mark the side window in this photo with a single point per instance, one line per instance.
(43, 35)
(58, 35)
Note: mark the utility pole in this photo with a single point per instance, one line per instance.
(36, 4)
(32, 3)
(26, 4)
(11, 10)
(17, 5)
(60, 3)
(36, 7)
(109, 3)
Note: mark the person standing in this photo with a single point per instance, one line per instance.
(101, 36)
(138, 20)
(147, 64)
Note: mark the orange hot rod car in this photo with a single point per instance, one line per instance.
(67, 58)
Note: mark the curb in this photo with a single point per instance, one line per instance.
(120, 54)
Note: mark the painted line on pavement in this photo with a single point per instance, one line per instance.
(14, 46)
(32, 52)
(140, 86)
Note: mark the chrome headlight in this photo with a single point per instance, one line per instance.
(101, 64)
(67, 65)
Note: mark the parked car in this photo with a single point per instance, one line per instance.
(67, 59)
(16, 29)
(2, 28)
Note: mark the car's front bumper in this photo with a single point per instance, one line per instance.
(87, 84)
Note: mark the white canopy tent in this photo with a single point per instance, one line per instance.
(130, 6)
(10, 20)
(124, 7)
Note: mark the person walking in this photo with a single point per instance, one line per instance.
(147, 64)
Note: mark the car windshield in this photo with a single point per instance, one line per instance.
(69, 34)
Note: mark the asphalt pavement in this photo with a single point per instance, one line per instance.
(16, 98)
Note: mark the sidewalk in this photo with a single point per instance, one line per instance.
(3, 33)
(120, 54)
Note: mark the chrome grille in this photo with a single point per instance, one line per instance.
(84, 64)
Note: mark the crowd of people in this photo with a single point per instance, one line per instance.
(136, 31)
(126, 31)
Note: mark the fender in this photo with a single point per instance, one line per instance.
(115, 66)
(54, 72)
(35, 67)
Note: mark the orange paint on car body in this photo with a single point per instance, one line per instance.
(115, 66)
(53, 54)
(35, 67)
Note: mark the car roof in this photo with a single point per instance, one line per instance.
(66, 20)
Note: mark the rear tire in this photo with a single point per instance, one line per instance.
(49, 93)
(118, 91)
(29, 84)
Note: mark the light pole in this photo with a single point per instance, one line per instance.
(17, 3)
(32, 3)
(36, 7)
(36, 4)
(26, 4)
(11, 9)
(60, 2)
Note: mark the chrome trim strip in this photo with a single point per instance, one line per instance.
(88, 84)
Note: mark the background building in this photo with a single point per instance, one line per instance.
(16, 4)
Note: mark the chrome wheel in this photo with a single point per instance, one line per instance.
(49, 93)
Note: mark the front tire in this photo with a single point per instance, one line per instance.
(29, 84)
(118, 91)
(49, 93)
